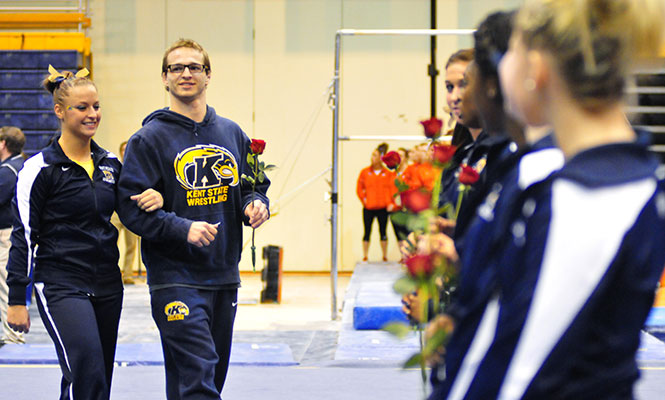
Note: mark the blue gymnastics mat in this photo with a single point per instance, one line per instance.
(376, 305)
(655, 323)
(370, 301)
(375, 346)
(144, 354)
(656, 318)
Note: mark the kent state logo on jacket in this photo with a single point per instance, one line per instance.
(108, 174)
(206, 171)
(176, 311)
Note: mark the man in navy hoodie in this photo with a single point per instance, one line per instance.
(191, 247)
(11, 161)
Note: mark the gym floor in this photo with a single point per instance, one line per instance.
(260, 368)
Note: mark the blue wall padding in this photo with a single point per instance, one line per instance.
(38, 59)
(27, 120)
(22, 79)
(37, 140)
(130, 354)
(376, 305)
(25, 100)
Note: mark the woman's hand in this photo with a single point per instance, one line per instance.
(148, 201)
(442, 323)
(18, 318)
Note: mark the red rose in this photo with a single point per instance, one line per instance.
(392, 159)
(432, 127)
(416, 200)
(442, 153)
(468, 175)
(257, 146)
(420, 265)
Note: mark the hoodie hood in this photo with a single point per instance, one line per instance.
(166, 115)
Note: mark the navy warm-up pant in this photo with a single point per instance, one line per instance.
(196, 329)
(84, 329)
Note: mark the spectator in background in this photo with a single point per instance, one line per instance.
(131, 240)
(375, 189)
(401, 231)
(12, 141)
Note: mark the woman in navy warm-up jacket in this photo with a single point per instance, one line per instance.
(64, 242)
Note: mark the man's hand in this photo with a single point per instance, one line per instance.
(201, 233)
(18, 318)
(148, 201)
(257, 213)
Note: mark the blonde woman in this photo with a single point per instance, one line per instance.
(63, 241)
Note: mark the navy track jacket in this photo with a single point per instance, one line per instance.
(8, 174)
(198, 168)
(556, 312)
(62, 224)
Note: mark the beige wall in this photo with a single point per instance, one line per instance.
(274, 86)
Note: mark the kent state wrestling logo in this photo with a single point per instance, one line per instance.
(176, 311)
(206, 171)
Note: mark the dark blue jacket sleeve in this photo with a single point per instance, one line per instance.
(7, 184)
(140, 172)
(31, 193)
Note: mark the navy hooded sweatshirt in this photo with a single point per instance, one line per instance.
(198, 168)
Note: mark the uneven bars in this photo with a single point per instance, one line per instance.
(334, 193)
(404, 32)
(419, 138)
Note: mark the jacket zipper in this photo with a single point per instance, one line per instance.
(95, 164)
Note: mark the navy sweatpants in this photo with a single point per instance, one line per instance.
(196, 329)
(84, 330)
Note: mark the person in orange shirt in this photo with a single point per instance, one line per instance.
(375, 190)
(420, 174)
(427, 172)
(411, 175)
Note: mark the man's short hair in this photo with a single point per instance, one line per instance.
(13, 137)
(189, 43)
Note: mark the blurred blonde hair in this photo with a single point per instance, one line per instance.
(593, 41)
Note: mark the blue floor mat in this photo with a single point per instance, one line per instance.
(131, 354)
(376, 305)
(375, 345)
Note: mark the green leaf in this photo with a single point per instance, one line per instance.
(414, 360)
(418, 222)
(269, 167)
(400, 218)
(398, 329)
(405, 285)
(249, 179)
(262, 165)
(262, 177)
(250, 159)
(401, 186)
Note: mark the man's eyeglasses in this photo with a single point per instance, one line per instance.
(194, 69)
